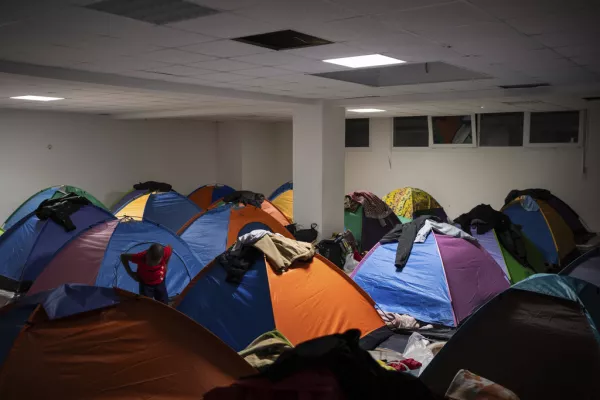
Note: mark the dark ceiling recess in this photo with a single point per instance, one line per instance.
(157, 12)
(593, 98)
(525, 86)
(405, 74)
(283, 40)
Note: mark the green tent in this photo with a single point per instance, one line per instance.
(53, 192)
(367, 231)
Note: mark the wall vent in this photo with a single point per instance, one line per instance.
(157, 12)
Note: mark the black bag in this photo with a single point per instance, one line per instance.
(333, 250)
(304, 235)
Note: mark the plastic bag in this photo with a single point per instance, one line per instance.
(416, 348)
(350, 263)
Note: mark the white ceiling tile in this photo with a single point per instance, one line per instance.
(176, 56)
(478, 32)
(582, 50)
(313, 66)
(507, 9)
(224, 4)
(348, 29)
(293, 13)
(225, 48)
(382, 6)
(180, 70)
(559, 39)
(327, 51)
(264, 72)
(227, 25)
(223, 77)
(450, 14)
(223, 65)
(166, 37)
(571, 20)
(272, 59)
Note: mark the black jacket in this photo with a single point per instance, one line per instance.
(405, 235)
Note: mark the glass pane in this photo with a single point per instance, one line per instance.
(452, 130)
(554, 127)
(504, 129)
(411, 132)
(357, 132)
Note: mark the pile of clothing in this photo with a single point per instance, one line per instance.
(484, 218)
(417, 231)
(245, 197)
(372, 205)
(281, 252)
(60, 210)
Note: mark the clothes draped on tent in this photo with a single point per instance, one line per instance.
(61, 209)
(245, 197)
(373, 206)
(280, 251)
(153, 186)
(265, 349)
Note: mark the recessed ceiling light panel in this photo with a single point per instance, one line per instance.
(37, 98)
(365, 110)
(370, 60)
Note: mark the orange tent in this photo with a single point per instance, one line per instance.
(311, 300)
(267, 207)
(206, 195)
(83, 342)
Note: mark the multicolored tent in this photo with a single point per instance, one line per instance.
(169, 209)
(517, 339)
(409, 203)
(366, 230)
(443, 282)
(82, 342)
(212, 232)
(207, 195)
(54, 192)
(267, 207)
(586, 267)
(513, 269)
(545, 228)
(93, 257)
(314, 299)
(28, 246)
(283, 198)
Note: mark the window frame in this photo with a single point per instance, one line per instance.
(527, 132)
(501, 147)
(474, 143)
(410, 148)
(361, 148)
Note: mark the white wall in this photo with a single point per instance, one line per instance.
(255, 155)
(101, 155)
(462, 178)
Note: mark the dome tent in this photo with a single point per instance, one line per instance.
(409, 203)
(28, 246)
(444, 280)
(53, 192)
(207, 195)
(87, 342)
(169, 209)
(212, 232)
(311, 300)
(283, 199)
(93, 257)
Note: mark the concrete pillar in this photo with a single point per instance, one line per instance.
(319, 171)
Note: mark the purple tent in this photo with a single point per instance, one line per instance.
(444, 281)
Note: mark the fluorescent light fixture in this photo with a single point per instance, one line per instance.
(37, 98)
(366, 110)
(371, 60)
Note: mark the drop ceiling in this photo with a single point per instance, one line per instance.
(510, 42)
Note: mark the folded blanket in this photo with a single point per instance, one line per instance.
(282, 252)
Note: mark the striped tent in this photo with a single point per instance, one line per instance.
(169, 209)
(283, 199)
(207, 195)
(311, 300)
(210, 233)
(93, 257)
